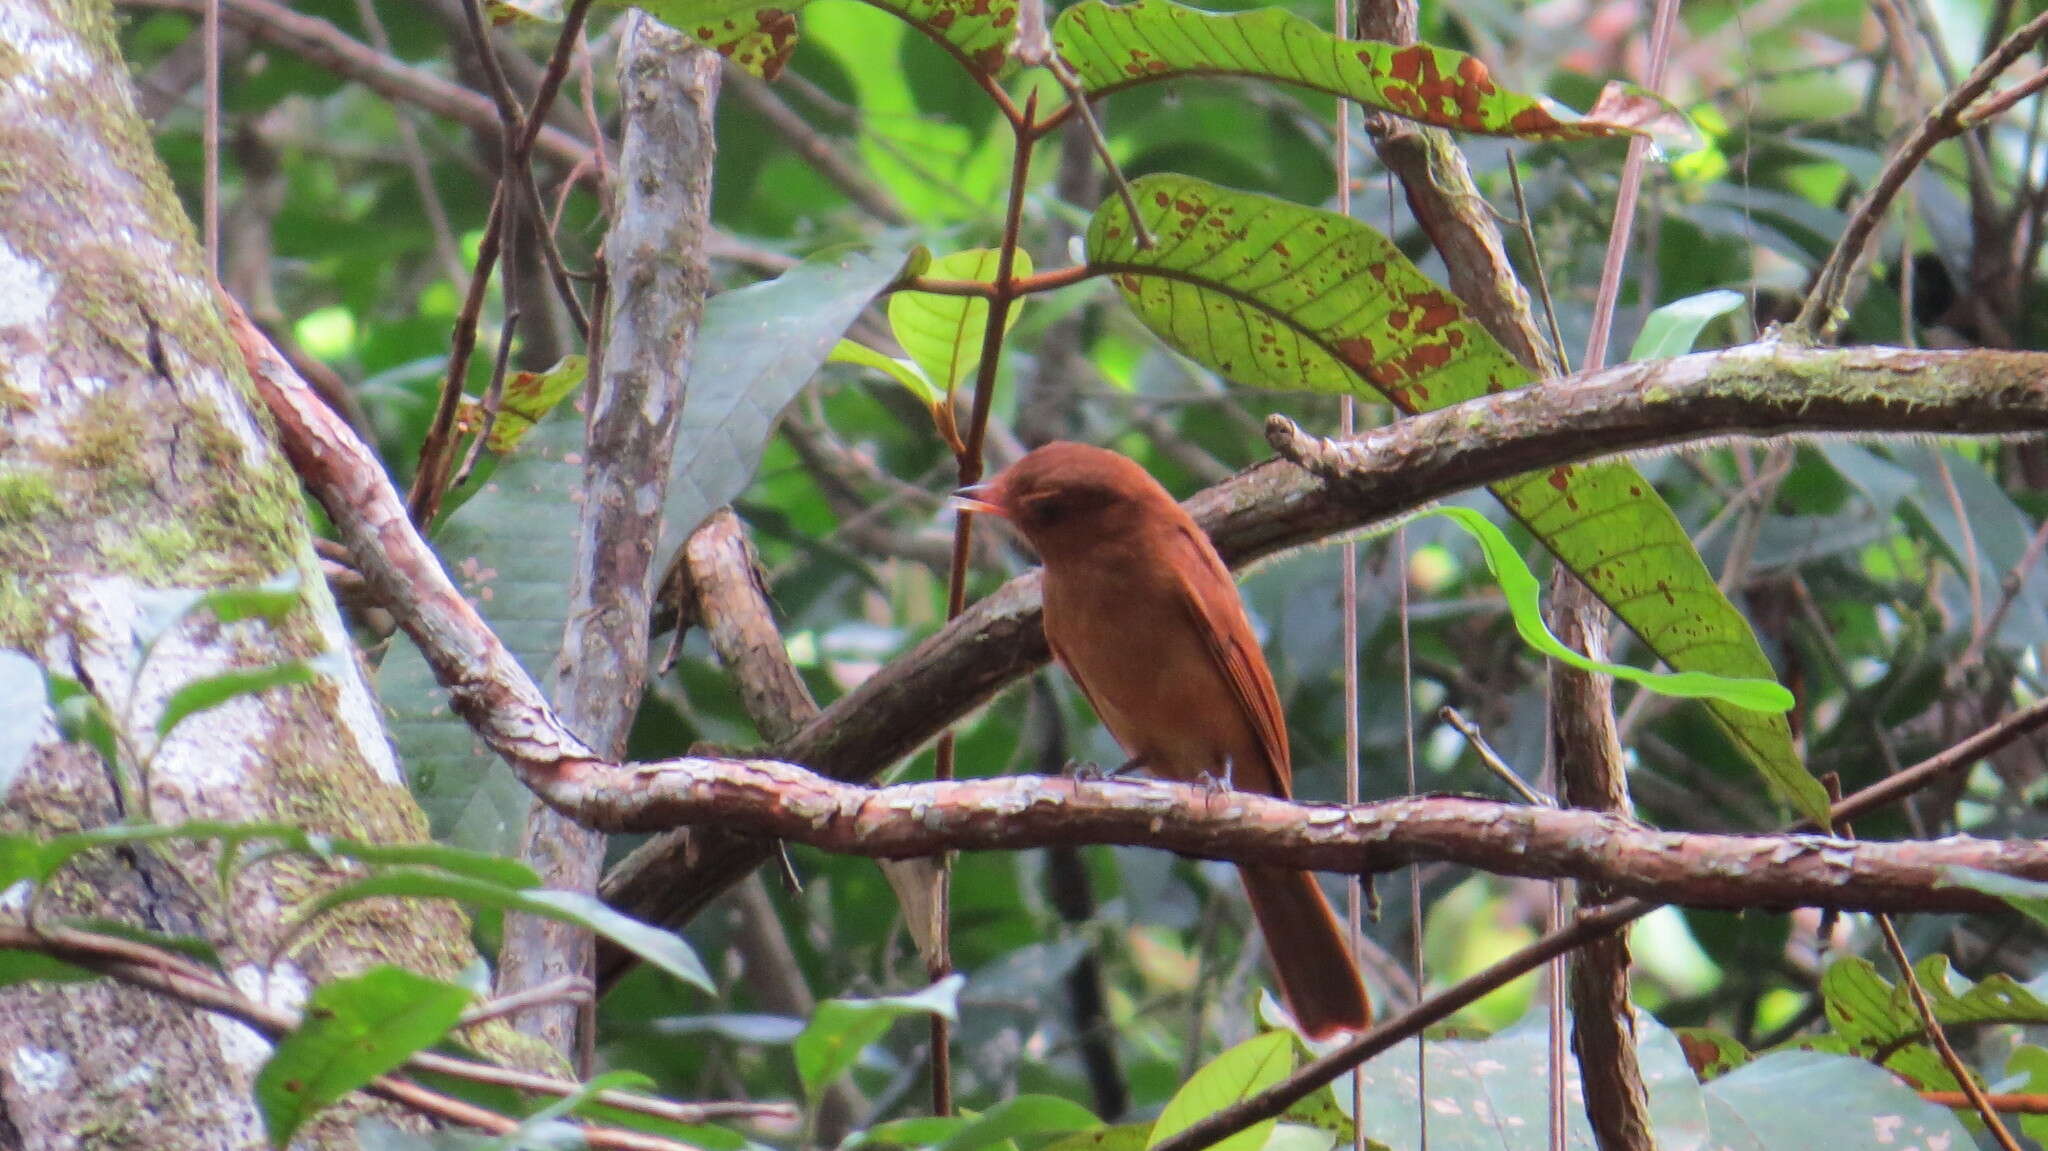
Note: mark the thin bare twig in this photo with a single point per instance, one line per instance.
(1491, 759)
(1821, 312)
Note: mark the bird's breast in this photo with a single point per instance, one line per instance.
(1132, 642)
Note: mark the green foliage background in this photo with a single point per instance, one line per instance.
(1866, 570)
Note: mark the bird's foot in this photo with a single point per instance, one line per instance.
(1086, 769)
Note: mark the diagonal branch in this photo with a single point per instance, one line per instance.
(1754, 390)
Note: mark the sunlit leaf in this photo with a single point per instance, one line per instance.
(164, 608)
(353, 1031)
(905, 372)
(1276, 295)
(840, 1028)
(270, 601)
(1124, 1137)
(1114, 46)
(944, 334)
(1236, 1075)
(2028, 896)
(1524, 596)
(1020, 1117)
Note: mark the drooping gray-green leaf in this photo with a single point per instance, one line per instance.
(1775, 1104)
(757, 347)
(512, 547)
(1493, 1092)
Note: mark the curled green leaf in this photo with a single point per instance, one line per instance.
(1524, 598)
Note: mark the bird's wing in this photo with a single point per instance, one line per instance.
(1210, 594)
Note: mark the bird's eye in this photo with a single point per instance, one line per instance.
(1045, 512)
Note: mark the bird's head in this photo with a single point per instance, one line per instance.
(1069, 498)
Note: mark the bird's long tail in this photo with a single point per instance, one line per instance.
(1318, 978)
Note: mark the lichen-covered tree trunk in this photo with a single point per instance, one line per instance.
(132, 460)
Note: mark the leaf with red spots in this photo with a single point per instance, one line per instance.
(1276, 295)
(759, 37)
(1117, 46)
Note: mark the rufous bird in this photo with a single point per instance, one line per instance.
(1145, 617)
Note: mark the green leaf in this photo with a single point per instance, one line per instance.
(515, 541)
(211, 691)
(1275, 295)
(1236, 1075)
(944, 333)
(472, 864)
(937, 169)
(915, 1131)
(1524, 596)
(1771, 1104)
(756, 349)
(270, 601)
(527, 400)
(165, 608)
(1111, 47)
(24, 700)
(1124, 1137)
(578, 1100)
(1673, 329)
(840, 1028)
(663, 949)
(1710, 1053)
(81, 717)
(759, 37)
(905, 372)
(159, 610)
(189, 946)
(34, 966)
(353, 1031)
(1020, 1117)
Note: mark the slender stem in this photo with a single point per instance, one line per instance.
(210, 138)
(1003, 295)
(1831, 283)
(1609, 296)
(437, 450)
(1019, 286)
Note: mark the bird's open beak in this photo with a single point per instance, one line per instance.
(974, 498)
